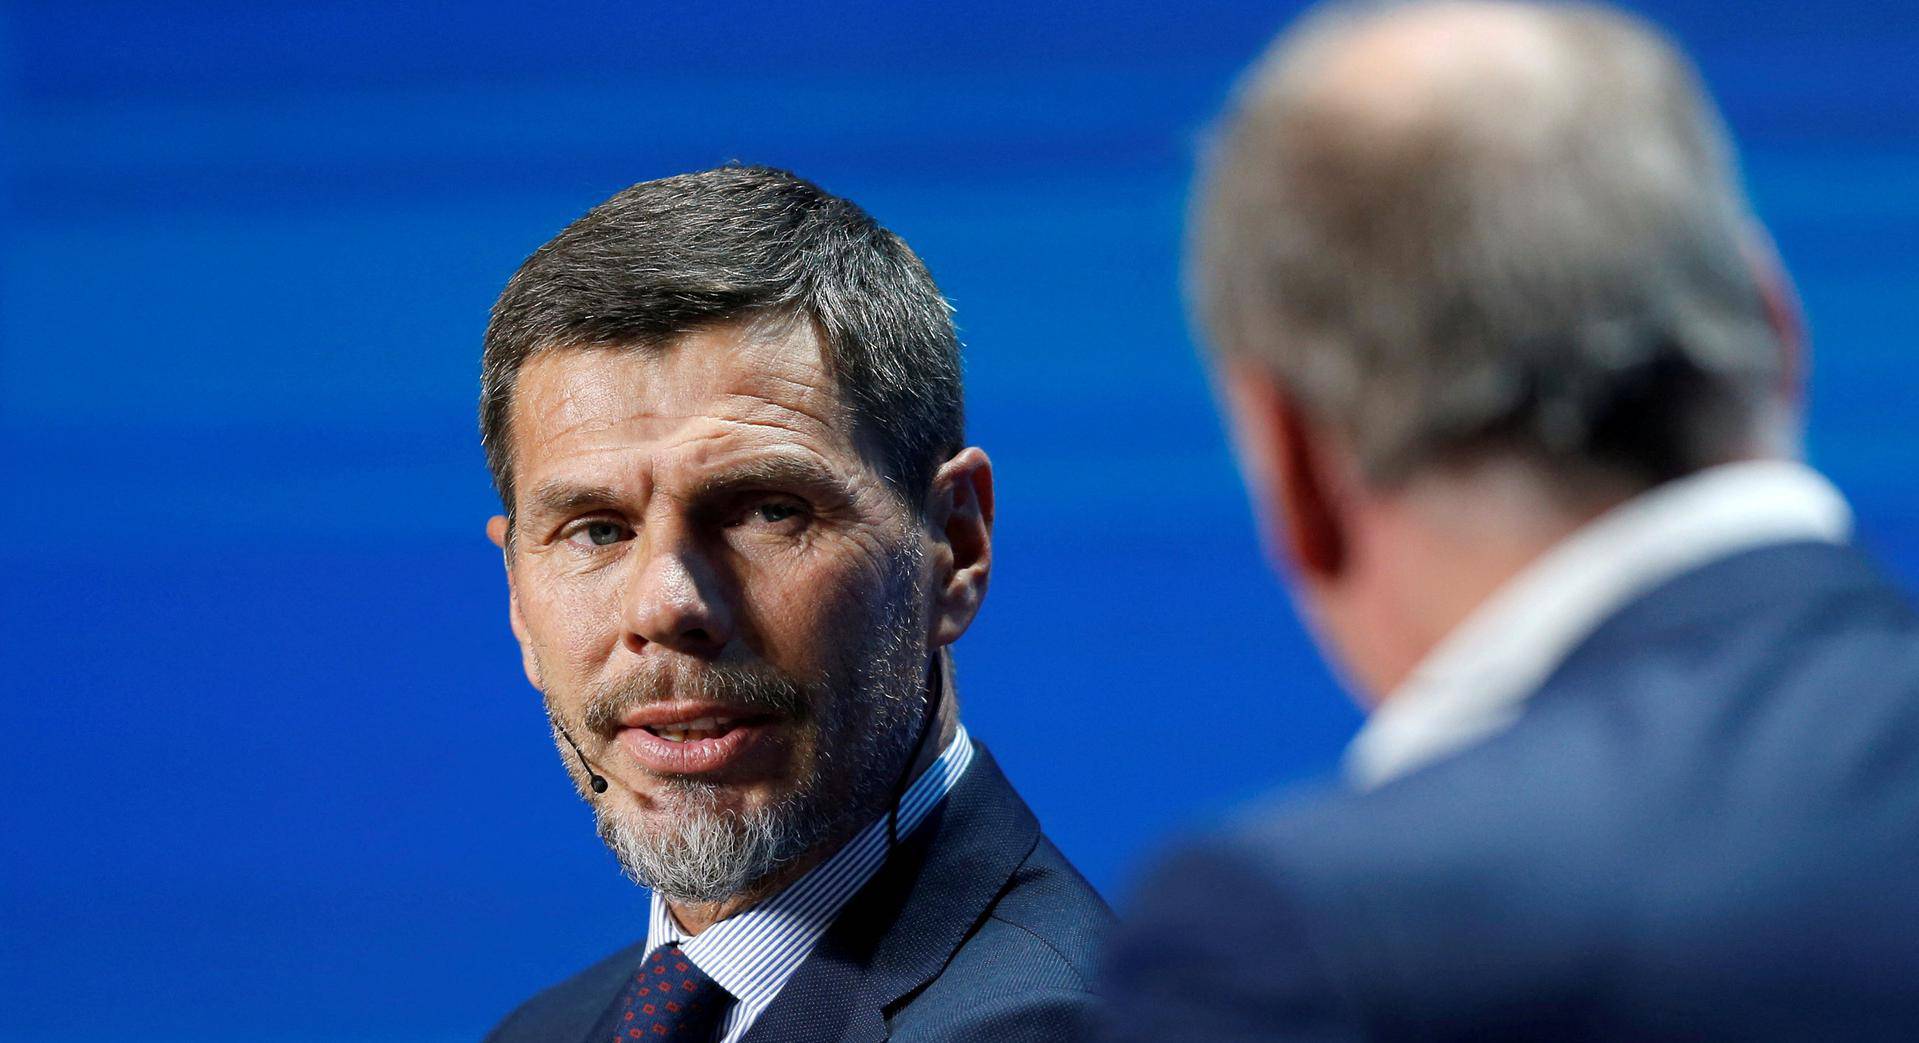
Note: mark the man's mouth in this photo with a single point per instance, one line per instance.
(698, 728)
(691, 739)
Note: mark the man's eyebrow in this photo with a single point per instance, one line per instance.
(779, 472)
(564, 497)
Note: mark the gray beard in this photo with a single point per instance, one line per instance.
(869, 709)
(709, 854)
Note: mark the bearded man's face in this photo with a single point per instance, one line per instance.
(724, 604)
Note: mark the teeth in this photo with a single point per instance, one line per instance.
(701, 728)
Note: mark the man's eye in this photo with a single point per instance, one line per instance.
(782, 514)
(599, 532)
(776, 512)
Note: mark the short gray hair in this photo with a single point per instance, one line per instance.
(1551, 261)
(664, 258)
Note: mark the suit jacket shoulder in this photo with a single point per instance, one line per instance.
(1026, 971)
(1693, 830)
(976, 928)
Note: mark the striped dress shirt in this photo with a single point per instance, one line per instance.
(753, 955)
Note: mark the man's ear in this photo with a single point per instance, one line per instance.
(1783, 310)
(1287, 473)
(499, 532)
(959, 520)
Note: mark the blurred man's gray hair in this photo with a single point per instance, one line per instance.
(1548, 256)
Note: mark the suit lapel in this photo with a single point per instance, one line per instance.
(900, 930)
(826, 1001)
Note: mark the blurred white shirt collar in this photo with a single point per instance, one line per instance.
(1476, 680)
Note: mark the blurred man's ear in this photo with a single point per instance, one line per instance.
(1285, 466)
(959, 518)
(498, 531)
(1783, 311)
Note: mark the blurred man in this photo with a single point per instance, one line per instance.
(742, 527)
(1511, 371)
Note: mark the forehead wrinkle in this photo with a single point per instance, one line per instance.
(816, 423)
(808, 390)
(764, 388)
(810, 430)
(692, 442)
(596, 424)
(818, 419)
(561, 401)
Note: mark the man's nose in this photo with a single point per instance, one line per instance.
(677, 600)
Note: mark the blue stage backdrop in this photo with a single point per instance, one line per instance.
(271, 772)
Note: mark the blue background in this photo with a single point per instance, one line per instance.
(271, 771)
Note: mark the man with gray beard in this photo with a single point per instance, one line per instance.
(742, 530)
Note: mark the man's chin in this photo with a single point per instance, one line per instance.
(698, 850)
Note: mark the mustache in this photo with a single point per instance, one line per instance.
(754, 687)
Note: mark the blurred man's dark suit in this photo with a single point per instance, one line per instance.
(1703, 825)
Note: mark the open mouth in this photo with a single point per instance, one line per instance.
(700, 728)
(694, 739)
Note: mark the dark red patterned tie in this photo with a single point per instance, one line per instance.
(671, 998)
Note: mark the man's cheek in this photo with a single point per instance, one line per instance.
(570, 637)
(795, 624)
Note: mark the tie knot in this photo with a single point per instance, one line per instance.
(670, 998)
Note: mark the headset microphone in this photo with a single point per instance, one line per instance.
(593, 778)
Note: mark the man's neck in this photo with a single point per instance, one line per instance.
(1448, 543)
(945, 724)
(939, 733)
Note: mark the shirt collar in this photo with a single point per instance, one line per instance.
(753, 954)
(1475, 681)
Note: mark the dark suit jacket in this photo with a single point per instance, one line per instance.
(1705, 825)
(976, 929)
